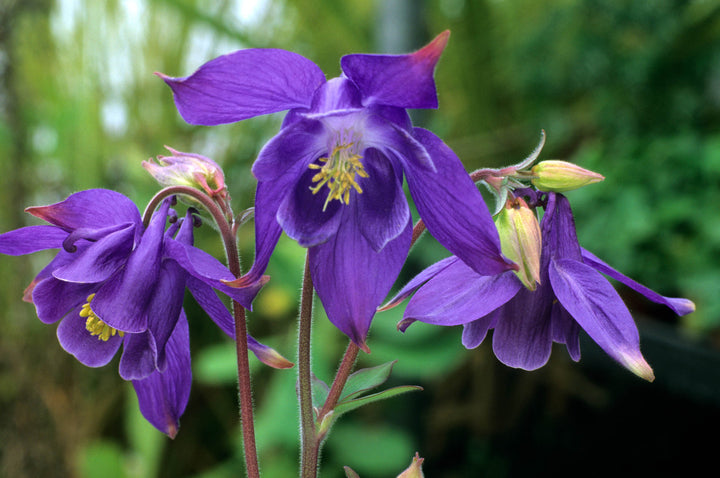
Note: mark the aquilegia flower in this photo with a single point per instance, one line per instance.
(572, 294)
(332, 177)
(115, 282)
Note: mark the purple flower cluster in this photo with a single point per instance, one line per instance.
(115, 282)
(332, 177)
(572, 294)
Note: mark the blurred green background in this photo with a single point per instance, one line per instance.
(628, 89)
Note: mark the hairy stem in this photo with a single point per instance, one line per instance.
(227, 232)
(309, 456)
(344, 370)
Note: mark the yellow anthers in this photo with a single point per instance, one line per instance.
(338, 173)
(94, 325)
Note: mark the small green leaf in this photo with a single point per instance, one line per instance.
(348, 405)
(320, 392)
(366, 379)
(349, 473)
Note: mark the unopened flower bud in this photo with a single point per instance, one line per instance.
(415, 468)
(560, 176)
(188, 169)
(521, 240)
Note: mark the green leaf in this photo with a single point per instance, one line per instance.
(366, 379)
(320, 392)
(349, 473)
(348, 405)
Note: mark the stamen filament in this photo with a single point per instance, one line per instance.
(338, 173)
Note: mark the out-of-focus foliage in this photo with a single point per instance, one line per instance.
(628, 89)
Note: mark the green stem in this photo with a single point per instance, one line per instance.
(309, 457)
(247, 422)
(344, 370)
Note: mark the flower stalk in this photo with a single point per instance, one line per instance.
(309, 456)
(247, 421)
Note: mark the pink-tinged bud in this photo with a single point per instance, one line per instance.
(560, 176)
(520, 239)
(415, 468)
(271, 357)
(188, 169)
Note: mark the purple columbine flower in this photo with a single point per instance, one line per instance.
(332, 177)
(572, 294)
(114, 282)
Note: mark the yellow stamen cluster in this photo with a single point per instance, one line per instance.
(94, 325)
(338, 172)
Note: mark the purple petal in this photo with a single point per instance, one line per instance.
(523, 335)
(91, 209)
(61, 258)
(268, 197)
(558, 230)
(214, 307)
(54, 298)
(382, 209)
(338, 94)
(88, 349)
(679, 305)
(565, 330)
(122, 301)
(352, 279)
(405, 81)
(305, 216)
(292, 149)
(600, 311)
(139, 356)
(475, 332)
(209, 270)
(165, 305)
(394, 141)
(27, 240)
(244, 84)
(458, 295)
(101, 258)
(418, 281)
(392, 114)
(163, 396)
(453, 208)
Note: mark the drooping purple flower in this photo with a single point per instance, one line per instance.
(332, 177)
(115, 282)
(572, 294)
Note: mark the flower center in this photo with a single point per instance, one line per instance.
(94, 325)
(338, 173)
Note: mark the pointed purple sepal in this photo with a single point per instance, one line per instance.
(244, 84)
(163, 396)
(405, 81)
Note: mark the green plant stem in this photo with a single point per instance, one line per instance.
(247, 422)
(344, 370)
(310, 441)
(309, 457)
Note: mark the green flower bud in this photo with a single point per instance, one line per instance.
(560, 176)
(520, 239)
